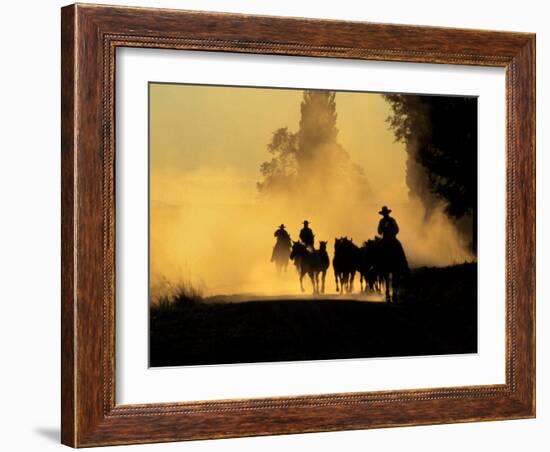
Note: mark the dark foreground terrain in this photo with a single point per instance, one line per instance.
(437, 315)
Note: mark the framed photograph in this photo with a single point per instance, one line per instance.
(281, 225)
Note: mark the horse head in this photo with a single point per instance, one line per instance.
(298, 249)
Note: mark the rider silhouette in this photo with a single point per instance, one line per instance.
(306, 235)
(387, 227)
(281, 234)
(283, 240)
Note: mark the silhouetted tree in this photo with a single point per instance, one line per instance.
(310, 155)
(440, 134)
(317, 124)
(281, 171)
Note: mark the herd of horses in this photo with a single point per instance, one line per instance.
(380, 264)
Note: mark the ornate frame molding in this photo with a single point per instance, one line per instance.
(90, 37)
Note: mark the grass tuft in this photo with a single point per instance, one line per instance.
(173, 297)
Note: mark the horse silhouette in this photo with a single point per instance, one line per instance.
(322, 262)
(381, 263)
(368, 266)
(392, 265)
(311, 263)
(345, 263)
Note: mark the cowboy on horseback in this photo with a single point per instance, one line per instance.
(282, 235)
(281, 250)
(387, 227)
(394, 260)
(283, 241)
(306, 236)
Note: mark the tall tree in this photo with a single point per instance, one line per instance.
(440, 134)
(311, 156)
(281, 171)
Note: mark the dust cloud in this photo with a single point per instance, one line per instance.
(212, 227)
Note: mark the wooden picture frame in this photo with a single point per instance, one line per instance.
(90, 36)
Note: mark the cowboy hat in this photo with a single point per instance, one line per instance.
(282, 226)
(384, 210)
(306, 222)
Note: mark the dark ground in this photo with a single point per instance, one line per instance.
(437, 315)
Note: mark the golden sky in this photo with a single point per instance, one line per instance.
(206, 147)
(194, 127)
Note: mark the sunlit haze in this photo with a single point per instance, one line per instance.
(210, 227)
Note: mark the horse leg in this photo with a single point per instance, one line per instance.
(387, 282)
(395, 286)
(312, 278)
(336, 280)
(324, 275)
(302, 280)
(351, 279)
(345, 282)
(316, 278)
(317, 281)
